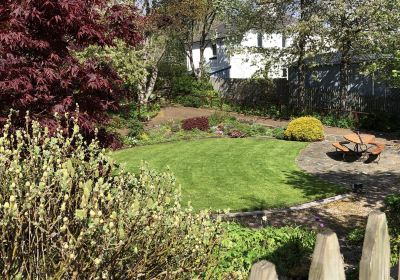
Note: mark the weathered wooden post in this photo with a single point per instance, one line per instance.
(263, 270)
(327, 262)
(375, 260)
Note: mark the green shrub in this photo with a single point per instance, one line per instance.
(380, 122)
(334, 121)
(135, 128)
(191, 101)
(305, 129)
(392, 209)
(186, 85)
(220, 117)
(356, 237)
(67, 211)
(189, 92)
(289, 248)
(174, 126)
(279, 133)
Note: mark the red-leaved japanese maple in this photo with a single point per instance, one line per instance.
(38, 72)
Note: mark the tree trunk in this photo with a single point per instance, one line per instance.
(151, 83)
(189, 55)
(141, 94)
(201, 66)
(301, 74)
(301, 67)
(345, 61)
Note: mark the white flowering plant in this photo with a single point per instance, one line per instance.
(67, 211)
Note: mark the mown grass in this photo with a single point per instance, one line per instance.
(239, 174)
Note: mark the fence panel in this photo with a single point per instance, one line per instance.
(325, 100)
(375, 261)
(327, 262)
(263, 270)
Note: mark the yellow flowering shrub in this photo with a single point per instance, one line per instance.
(67, 211)
(307, 129)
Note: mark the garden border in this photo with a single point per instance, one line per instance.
(293, 208)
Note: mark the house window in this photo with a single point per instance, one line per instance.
(214, 50)
(284, 72)
(259, 40)
(283, 41)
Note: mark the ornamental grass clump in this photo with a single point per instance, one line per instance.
(306, 129)
(67, 211)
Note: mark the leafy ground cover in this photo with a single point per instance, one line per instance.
(239, 174)
(290, 248)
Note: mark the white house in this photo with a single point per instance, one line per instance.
(243, 64)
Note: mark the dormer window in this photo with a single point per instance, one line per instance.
(259, 40)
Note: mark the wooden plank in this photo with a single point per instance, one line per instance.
(327, 262)
(375, 260)
(263, 270)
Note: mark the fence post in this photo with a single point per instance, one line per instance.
(327, 262)
(375, 260)
(263, 270)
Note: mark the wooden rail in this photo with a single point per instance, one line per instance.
(327, 261)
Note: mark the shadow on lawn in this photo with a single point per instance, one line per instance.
(312, 186)
(343, 216)
(376, 187)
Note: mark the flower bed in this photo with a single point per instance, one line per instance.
(217, 125)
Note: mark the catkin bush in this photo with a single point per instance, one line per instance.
(67, 211)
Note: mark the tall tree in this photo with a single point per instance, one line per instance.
(138, 65)
(360, 28)
(192, 22)
(38, 72)
(299, 21)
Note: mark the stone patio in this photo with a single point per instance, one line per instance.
(379, 179)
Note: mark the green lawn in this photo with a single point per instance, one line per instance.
(239, 174)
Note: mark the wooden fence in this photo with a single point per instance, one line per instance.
(258, 94)
(327, 261)
(320, 100)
